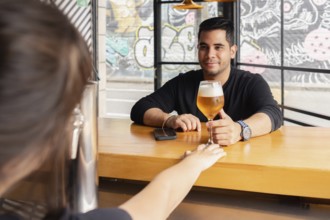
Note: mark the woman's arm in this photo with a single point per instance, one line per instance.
(161, 196)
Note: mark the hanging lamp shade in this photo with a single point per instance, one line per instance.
(219, 0)
(187, 4)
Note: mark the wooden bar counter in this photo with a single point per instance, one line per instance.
(291, 161)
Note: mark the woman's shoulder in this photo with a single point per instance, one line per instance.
(100, 214)
(9, 217)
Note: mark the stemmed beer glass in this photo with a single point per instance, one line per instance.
(210, 100)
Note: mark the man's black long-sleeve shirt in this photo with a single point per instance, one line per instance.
(245, 94)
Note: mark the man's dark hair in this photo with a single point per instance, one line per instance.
(218, 23)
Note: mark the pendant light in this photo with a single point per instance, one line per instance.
(187, 4)
(219, 0)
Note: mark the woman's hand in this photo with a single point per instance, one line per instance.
(204, 156)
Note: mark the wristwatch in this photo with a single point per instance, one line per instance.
(246, 130)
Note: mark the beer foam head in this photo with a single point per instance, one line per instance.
(210, 90)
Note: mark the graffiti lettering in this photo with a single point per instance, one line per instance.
(177, 45)
(144, 47)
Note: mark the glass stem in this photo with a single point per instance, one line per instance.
(210, 141)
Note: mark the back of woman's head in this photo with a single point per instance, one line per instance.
(44, 67)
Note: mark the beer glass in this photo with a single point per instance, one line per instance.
(210, 101)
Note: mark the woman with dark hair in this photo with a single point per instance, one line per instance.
(44, 68)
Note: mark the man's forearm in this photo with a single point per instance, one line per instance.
(259, 123)
(154, 117)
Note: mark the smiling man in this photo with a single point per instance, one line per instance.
(249, 111)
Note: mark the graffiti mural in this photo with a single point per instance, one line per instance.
(130, 38)
(306, 37)
(178, 45)
(124, 18)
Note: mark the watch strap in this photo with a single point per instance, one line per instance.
(242, 123)
(243, 126)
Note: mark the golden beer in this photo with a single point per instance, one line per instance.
(210, 100)
(210, 106)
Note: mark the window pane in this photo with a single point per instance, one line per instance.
(307, 34)
(121, 95)
(260, 32)
(179, 30)
(129, 54)
(308, 92)
(306, 44)
(129, 40)
(306, 119)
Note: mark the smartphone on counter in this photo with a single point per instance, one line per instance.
(164, 134)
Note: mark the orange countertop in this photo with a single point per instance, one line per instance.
(290, 161)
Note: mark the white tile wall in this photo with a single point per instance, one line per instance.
(101, 48)
(102, 23)
(102, 3)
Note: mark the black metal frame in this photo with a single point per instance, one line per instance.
(157, 44)
(157, 35)
(95, 39)
(282, 68)
(233, 12)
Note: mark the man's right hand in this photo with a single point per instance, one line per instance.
(187, 122)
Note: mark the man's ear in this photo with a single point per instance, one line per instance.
(233, 50)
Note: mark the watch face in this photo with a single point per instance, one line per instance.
(246, 133)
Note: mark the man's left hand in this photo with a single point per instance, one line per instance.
(225, 130)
